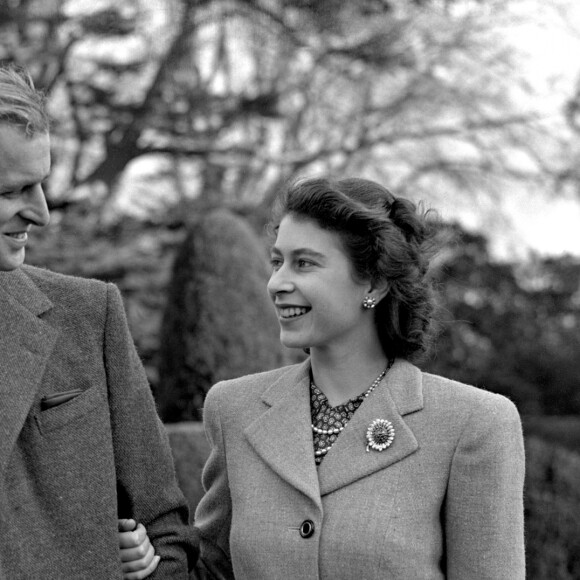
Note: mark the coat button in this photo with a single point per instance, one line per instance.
(307, 528)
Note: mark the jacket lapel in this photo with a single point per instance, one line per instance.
(282, 435)
(25, 345)
(398, 394)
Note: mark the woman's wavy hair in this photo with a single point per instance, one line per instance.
(21, 104)
(388, 239)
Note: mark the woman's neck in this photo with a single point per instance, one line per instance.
(343, 376)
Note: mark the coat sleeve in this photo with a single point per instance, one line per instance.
(484, 505)
(214, 511)
(146, 482)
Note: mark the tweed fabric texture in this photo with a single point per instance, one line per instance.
(444, 501)
(67, 473)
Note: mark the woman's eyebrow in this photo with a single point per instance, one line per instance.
(300, 252)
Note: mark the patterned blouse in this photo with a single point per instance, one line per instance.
(327, 421)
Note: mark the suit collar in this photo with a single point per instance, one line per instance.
(26, 342)
(282, 435)
(20, 286)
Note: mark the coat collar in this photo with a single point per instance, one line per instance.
(26, 342)
(20, 286)
(398, 394)
(283, 438)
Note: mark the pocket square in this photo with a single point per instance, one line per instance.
(58, 398)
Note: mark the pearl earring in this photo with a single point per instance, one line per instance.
(369, 302)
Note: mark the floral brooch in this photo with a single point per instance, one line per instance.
(380, 435)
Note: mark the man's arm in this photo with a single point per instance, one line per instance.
(146, 484)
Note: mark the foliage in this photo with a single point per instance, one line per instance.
(219, 322)
(511, 329)
(561, 430)
(190, 450)
(552, 504)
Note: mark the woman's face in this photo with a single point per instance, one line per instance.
(314, 289)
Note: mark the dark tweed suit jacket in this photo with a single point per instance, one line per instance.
(68, 472)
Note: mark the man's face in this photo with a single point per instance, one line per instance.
(24, 165)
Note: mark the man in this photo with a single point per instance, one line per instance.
(80, 440)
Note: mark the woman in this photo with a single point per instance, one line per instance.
(354, 463)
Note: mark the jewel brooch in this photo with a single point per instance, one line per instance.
(380, 435)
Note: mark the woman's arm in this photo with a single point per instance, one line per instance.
(138, 559)
(213, 514)
(484, 515)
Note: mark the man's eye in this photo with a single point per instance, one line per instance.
(275, 263)
(304, 263)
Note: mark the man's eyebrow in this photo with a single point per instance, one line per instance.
(23, 184)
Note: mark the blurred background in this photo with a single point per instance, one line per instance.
(176, 122)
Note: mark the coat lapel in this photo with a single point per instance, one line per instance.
(399, 393)
(25, 345)
(282, 435)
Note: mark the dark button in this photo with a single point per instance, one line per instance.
(307, 528)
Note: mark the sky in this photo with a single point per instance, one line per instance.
(549, 224)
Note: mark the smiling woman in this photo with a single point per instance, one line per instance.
(313, 285)
(354, 463)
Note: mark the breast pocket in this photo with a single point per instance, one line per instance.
(73, 410)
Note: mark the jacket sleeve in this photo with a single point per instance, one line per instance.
(484, 505)
(146, 482)
(214, 511)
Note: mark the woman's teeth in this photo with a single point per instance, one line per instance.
(292, 312)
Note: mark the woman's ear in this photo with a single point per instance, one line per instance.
(378, 290)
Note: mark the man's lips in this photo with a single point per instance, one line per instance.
(16, 239)
(21, 236)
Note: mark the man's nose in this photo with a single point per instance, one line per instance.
(36, 209)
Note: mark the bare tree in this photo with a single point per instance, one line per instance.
(247, 93)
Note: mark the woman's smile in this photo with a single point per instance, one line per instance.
(292, 312)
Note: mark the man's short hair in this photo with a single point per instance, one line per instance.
(21, 104)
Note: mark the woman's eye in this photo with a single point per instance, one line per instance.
(303, 263)
(275, 263)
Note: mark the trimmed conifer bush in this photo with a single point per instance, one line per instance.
(219, 322)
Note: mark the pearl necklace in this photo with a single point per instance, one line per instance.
(317, 430)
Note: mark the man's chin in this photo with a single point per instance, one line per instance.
(12, 262)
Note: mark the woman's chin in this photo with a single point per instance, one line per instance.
(292, 341)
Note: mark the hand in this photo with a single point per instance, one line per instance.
(138, 559)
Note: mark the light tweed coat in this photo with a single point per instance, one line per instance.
(444, 501)
(67, 472)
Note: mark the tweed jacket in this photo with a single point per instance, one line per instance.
(68, 472)
(443, 501)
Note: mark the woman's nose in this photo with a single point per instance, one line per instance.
(280, 281)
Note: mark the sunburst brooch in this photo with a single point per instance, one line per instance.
(380, 435)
